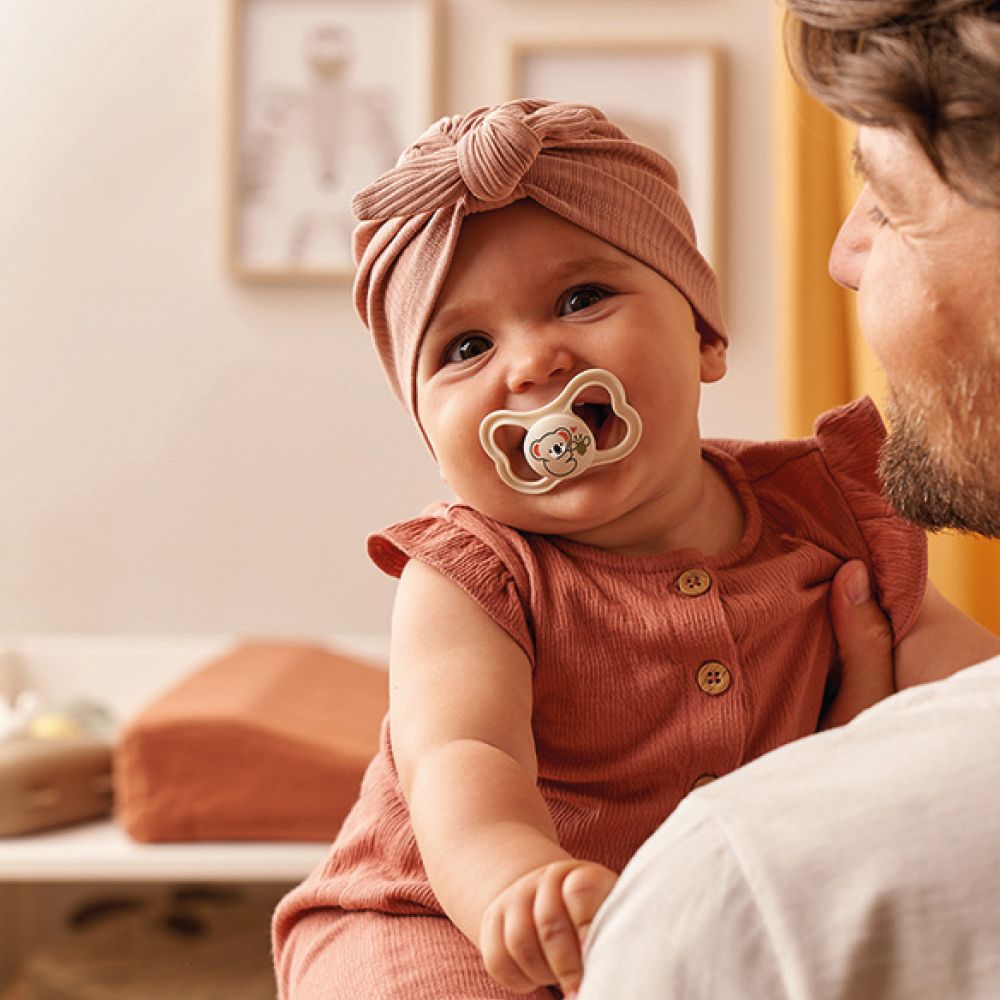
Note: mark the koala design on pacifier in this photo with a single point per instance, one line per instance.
(557, 451)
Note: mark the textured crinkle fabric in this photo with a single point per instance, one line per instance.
(366, 955)
(568, 158)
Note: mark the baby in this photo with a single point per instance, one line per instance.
(615, 611)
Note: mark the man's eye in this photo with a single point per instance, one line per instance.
(581, 298)
(467, 347)
(878, 216)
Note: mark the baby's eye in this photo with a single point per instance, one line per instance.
(581, 298)
(466, 347)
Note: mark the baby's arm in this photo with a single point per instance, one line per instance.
(460, 715)
(942, 641)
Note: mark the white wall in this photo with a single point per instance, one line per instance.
(183, 454)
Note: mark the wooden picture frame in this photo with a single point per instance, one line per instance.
(323, 96)
(666, 94)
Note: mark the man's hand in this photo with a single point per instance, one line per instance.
(532, 934)
(865, 640)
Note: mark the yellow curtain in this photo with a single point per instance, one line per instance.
(824, 358)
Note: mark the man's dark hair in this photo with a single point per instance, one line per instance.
(928, 67)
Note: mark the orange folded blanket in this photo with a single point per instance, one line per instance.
(268, 742)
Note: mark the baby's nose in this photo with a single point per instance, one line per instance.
(536, 362)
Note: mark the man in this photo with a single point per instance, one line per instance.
(864, 862)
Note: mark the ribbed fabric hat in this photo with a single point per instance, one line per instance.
(566, 157)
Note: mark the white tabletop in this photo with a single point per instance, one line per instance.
(102, 852)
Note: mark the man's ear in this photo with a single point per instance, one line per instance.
(713, 359)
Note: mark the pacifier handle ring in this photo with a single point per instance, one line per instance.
(619, 406)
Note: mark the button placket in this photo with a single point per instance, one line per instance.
(724, 718)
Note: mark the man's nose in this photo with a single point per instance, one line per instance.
(852, 245)
(535, 360)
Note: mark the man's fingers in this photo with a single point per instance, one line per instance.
(864, 637)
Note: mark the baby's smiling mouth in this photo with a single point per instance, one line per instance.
(594, 415)
(606, 427)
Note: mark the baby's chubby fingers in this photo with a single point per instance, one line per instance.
(509, 945)
(558, 936)
(565, 905)
(584, 890)
(532, 933)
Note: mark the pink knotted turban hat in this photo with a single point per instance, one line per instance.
(566, 157)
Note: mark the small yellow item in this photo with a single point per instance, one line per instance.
(54, 726)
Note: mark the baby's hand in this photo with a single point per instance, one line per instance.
(532, 934)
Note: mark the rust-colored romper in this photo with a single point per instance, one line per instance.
(650, 674)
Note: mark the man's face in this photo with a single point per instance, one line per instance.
(926, 266)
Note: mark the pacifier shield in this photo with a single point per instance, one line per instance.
(559, 445)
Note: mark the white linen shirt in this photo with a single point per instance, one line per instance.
(861, 863)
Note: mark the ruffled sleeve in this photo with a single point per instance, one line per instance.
(849, 439)
(472, 552)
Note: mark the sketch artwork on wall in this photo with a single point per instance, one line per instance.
(664, 94)
(324, 94)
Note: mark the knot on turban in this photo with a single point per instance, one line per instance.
(485, 154)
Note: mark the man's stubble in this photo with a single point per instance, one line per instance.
(939, 464)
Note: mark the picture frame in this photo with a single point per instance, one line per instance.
(666, 94)
(323, 95)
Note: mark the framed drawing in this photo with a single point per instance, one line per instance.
(664, 94)
(323, 96)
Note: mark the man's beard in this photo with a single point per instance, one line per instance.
(939, 463)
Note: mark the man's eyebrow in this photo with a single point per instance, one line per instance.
(883, 185)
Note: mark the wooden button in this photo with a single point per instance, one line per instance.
(714, 678)
(694, 582)
(705, 779)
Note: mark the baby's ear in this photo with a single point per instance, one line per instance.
(713, 358)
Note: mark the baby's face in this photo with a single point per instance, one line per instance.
(530, 301)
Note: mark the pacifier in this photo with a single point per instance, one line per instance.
(559, 444)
